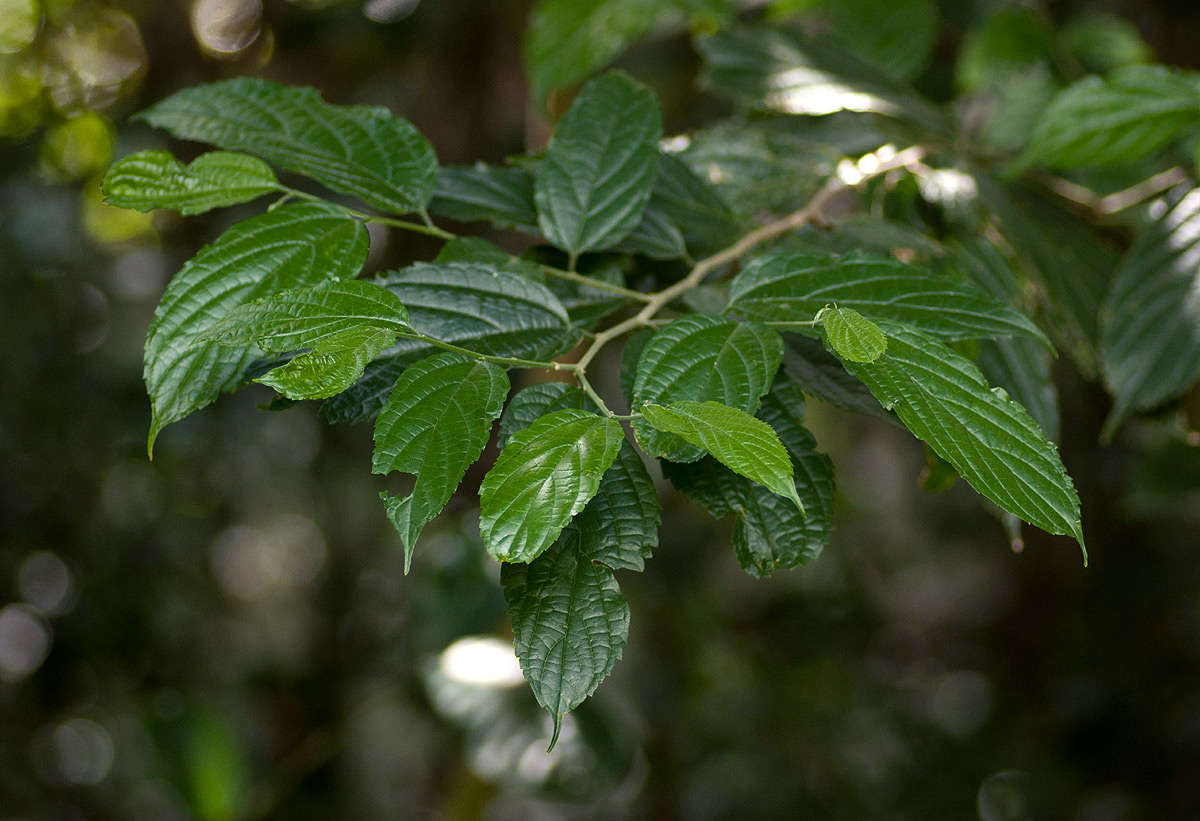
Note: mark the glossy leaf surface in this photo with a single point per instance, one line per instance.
(155, 179)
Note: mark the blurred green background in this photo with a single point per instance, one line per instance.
(226, 633)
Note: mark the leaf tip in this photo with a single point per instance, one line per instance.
(558, 719)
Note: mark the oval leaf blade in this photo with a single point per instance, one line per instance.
(592, 187)
(154, 179)
(851, 335)
(362, 150)
(544, 476)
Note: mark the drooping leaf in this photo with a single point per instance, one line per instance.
(434, 425)
(500, 195)
(480, 307)
(569, 39)
(345, 323)
(292, 246)
(545, 475)
(362, 150)
(791, 287)
(620, 524)
(1134, 112)
(745, 445)
(851, 335)
(699, 358)
(770, 533)
(820, 374)
(154, 179)
(779, 70)
(896, 36)
(1151, 342)
(990, 440)
(570, 623)
(593, 184)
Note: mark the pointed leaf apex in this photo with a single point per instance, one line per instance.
(558, 719)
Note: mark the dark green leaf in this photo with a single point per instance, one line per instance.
(346, 324)
(745, 445)
(535, 401)
(363, 400)
(820, 374)
(1151, 342)
(789, 287)
(990, 440)
(154, 179)
(434, 425)
(569, 39)
(693, 205)
(655, 236)
(1133, 113)
(362, 150)
(500, 195)
(700, 358)
(593, 184)
(570, 623)
(544, 476)
(619, 526)
(291, 246)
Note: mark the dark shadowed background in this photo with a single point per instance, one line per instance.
(226, 633)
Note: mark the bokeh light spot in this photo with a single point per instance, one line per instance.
(24, 642)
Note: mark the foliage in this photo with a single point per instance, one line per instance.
(870, 288)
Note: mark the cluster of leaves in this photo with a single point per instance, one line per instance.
(744, 304)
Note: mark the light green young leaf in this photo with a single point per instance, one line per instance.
(570, 624)
(769, 533)
(698, 358)
(434, 425)
(745, 445)
(619, 526)
(793, 287)
(345, 323)
(851, 335)
(291, 246)
(500, 195)
(990, 440)
(1151, 342)
(154, 179)
(361, 150)
(593, 184)
(544, 476)
(569, 39)
(1134, 112)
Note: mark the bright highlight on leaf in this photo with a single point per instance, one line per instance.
(745, 445)
(362, 150)
(434, 425)
(851, 335)
(545, 475)
(155, 179)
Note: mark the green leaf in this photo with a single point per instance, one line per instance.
(1134, 112)
(1103, 42)
(154, 179)
(362, 150)
(500, 195)
(791, 287)
(288, 247)
(655, 236)
(569, 39)
(481, 307)
(1151, 343)
(851, 335)
(745, 445)
(1013, 39)
(593, 184)
(544, 476)
(820, 374)
(779, 70)
(345, 324)
(990, 440)
(434, 425)
(700, 358)
(620, 524)
(535, 401)
(896, 36)
(769, 533)
(1023, 368)
(693, 205)
(570, 624)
